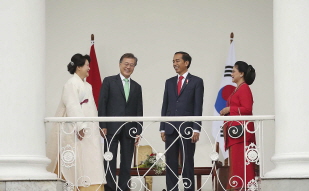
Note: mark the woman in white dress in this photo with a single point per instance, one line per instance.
(80, 153)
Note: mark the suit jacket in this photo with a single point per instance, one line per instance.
(112, 103)
(188, 103)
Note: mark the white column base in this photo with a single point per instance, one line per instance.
(294, 184)
(34, 185)
(291, 165)
(25, 168)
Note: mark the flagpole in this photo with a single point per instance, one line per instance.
(226, 161)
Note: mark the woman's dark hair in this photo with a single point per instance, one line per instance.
(248, 70)
(77, 60)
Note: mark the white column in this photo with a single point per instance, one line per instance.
(22, 91)
(291, 66)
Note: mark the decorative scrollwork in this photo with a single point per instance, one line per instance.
(236, 131)
(252, 154)
(187, 183)
(108, 156)
(133, 185)
(68, 186)
(234, 183)
(188, 131)
(84, 181)
(253, 185)
(246, 125)
(132, 132)
(67, 128)
(68, 156)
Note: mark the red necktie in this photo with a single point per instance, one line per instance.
(179, 84)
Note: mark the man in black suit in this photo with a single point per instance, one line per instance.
(183, 96)
(120, 96)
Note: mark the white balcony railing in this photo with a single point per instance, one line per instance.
(253, 153)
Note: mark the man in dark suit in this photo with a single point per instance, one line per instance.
(120, 96)
(183, 96)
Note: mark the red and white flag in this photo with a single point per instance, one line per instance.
(226, 89)
(94, 77)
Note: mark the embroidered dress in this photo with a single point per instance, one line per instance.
(240, 103)
(85, 157)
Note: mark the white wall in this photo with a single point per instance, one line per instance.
(154, 31)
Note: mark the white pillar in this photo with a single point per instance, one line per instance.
(291, 66)
(22, 91)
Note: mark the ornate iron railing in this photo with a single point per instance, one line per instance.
(253, 153)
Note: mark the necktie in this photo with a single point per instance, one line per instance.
(126, 88)
(179, 84)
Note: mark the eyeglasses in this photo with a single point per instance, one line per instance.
(128, 64)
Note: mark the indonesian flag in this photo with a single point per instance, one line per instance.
(226, 89)
(94, 77)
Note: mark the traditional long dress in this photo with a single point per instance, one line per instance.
(240, 103)
(81, 162)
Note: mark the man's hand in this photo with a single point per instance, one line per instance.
(137, 139)
(80, 134)
(163, 136)
(103, 132)
(195, 137)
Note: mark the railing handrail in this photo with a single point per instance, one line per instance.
(160, 119)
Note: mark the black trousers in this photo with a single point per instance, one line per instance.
(126, 154)
(187, 150)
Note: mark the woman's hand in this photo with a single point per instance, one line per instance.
(81, 134)
(225, 111)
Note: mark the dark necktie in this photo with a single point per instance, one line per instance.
(179, 84)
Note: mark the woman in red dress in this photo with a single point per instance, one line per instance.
(240, 102)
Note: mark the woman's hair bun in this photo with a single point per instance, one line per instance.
(250, 75)
(77, 60)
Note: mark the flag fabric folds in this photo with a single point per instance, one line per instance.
(94, 77)
(226, 88)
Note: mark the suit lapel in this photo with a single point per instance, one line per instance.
(174, 83)
(185, 83)
(120, 85)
